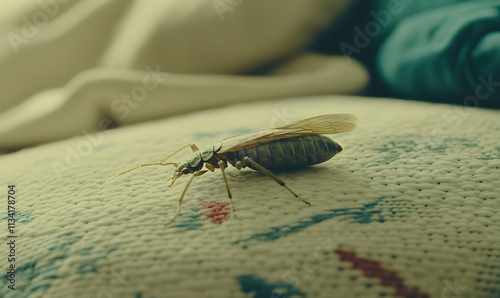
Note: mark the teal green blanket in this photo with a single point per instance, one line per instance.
(448, 53)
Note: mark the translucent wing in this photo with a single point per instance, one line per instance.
(325, 124)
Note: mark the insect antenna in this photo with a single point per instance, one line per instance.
(173, 178)
(140, 166)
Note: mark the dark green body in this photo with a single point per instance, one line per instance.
(289, 153)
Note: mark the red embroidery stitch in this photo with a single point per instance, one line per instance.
(217, 213)
(388, 278)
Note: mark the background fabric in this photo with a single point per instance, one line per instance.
(410, 208)
(446, 53)
(439, 51)
(67, 38)
(65, 64)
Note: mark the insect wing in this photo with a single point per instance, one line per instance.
(325, 124)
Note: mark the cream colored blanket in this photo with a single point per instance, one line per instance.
(410, 208)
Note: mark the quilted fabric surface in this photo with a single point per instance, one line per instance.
(410, 208)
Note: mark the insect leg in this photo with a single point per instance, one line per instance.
(140, 166)
(247, 159)
(210, 167)
(223, 165)
(193, 147)
(184, 193)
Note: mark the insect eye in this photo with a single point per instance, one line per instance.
(185, 171)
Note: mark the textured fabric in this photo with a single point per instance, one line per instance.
(449, 52)
(410, 208)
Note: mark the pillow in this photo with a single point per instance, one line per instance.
(409, 208)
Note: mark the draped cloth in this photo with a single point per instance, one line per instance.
(67, 65)
(450, 52)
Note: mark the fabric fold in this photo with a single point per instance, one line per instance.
(446, 53)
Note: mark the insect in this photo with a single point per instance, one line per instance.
(290, 146)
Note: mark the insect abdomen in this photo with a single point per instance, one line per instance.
(290, 153)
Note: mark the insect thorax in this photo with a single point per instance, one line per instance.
(205, 155)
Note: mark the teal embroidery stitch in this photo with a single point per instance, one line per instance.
(366, 214)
